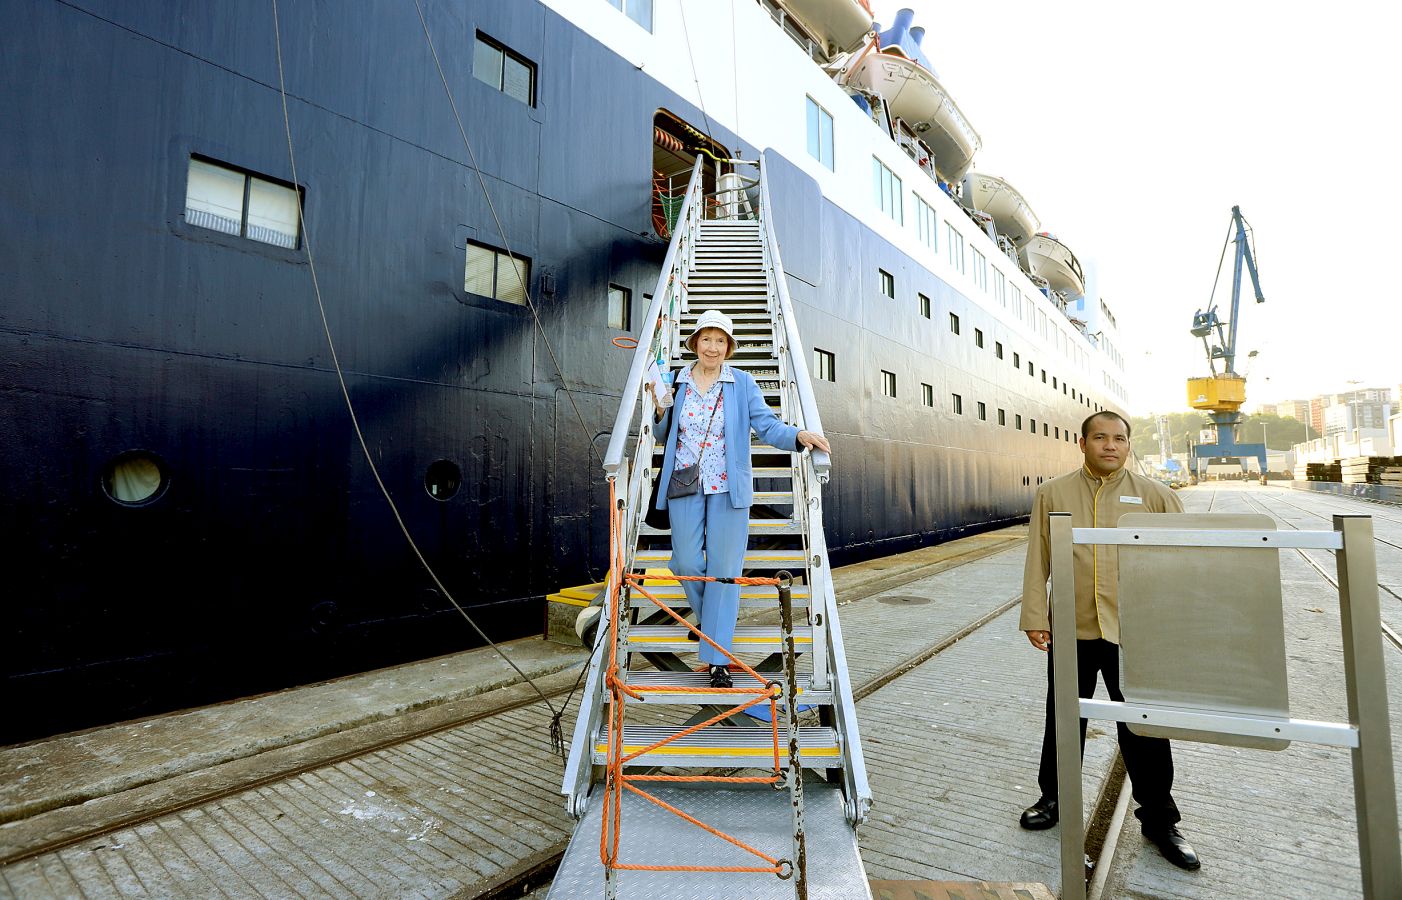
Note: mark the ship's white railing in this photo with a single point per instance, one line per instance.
(811, 472)
(632, 483)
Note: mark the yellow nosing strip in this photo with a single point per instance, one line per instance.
(634, 639)
(568, 601)
(747, 595)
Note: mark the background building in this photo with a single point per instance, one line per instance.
(1353, 423)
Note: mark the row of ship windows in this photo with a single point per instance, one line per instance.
(889, 195)
(888, 287)
(825, 369)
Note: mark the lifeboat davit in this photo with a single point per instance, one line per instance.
(915, 95)
(839, 24)
(1050, 259)
(1012, 215)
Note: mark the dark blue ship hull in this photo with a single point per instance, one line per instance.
(270, 558)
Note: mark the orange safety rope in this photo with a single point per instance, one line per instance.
(616, 780)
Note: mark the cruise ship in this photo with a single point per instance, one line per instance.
(188, 513)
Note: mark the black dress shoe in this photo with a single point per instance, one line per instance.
(692, 635)
(1039, 816)
(1174, 847)
(720, 677)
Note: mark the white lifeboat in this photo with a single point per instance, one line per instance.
(1012, 215)
(1050, 259)
(839, 24)
(913, 94)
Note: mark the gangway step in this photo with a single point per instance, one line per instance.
(770, 362)
(753, 596)
(729, 298)
(756, 814)
(748, 639)
(756, 446)
(757, 471)
(724, 747)
(649, 682)
(757, 527)
(731, 259)
(742, 320)
(754, 559)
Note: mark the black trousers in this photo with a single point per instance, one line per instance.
(1149, 761)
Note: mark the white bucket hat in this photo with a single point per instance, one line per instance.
(712, 318)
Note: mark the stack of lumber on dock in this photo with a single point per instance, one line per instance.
(1371, 470)
(1322, 472)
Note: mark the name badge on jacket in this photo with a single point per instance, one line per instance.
(1138, 501)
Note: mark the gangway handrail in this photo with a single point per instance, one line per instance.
(822, 462)
(814, 470)
(632, 388)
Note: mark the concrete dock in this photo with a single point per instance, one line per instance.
(418, 782)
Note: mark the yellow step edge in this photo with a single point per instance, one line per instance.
(664, 639)
(744, 594)
(660, 577)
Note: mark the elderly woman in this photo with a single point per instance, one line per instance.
(707, 430)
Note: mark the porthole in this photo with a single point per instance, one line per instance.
(442, 479)
(134, 478)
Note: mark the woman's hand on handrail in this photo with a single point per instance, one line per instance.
(813, 441)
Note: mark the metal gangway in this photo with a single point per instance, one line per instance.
(681, 789)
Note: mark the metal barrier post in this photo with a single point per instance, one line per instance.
(795, 779)
(1066, 698)
(1374, 792)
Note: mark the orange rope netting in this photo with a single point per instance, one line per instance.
(616, 780)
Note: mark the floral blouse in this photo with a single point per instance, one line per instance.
(696, 413)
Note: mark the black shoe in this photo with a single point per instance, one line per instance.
(693, 635)
(1039, 816)
(720, 677)
(1174, 847)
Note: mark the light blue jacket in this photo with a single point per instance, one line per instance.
(744, 409)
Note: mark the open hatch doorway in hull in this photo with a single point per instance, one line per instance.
(675, 146)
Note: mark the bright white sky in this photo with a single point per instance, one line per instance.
(1133, 129)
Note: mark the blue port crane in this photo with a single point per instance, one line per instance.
(1221, 394)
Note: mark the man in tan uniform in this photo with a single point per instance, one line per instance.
(1096, 495)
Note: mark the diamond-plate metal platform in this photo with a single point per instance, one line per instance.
(760, 817)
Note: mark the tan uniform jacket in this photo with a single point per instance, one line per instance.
(1093, 502)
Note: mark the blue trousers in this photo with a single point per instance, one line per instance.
(709, 537)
